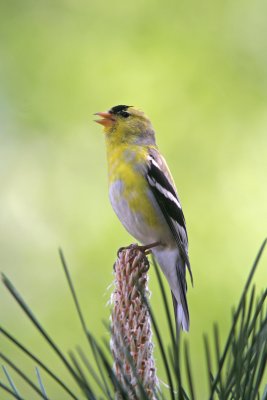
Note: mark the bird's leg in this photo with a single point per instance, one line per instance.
(147, 248)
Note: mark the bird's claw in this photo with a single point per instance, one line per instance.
(146, 249)
(131, 246)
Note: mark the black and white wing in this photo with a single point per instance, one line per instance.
(162, 186)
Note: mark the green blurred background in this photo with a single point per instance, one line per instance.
(199, 70)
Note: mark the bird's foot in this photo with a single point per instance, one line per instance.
(146, 249)
(131, 246)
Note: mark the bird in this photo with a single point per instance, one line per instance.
(143, 194)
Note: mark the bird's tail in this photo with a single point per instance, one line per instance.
(181, 314)
(174, 268)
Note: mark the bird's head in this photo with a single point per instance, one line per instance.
(126, 124)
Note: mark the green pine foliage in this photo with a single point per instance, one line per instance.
(235, 370)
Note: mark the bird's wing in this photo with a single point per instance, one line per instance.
(161, 183)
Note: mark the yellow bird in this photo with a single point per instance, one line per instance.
(144, 197)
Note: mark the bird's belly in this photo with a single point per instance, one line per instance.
(139, 213)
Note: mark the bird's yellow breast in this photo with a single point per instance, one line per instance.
(127, 165)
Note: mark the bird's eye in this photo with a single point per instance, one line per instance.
(124, 114)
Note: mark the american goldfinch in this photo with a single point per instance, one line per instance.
(144, 197)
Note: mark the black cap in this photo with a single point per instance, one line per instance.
(118, 109)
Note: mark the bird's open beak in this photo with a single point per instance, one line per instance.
(107, 119)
